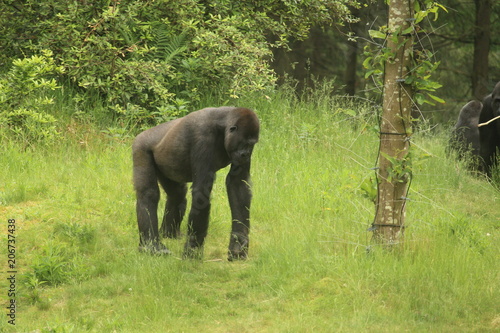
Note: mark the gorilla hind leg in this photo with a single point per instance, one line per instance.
(175, 207)
(199, 215)
(148, 195)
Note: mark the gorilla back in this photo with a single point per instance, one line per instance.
(464, 139)
(193, 149)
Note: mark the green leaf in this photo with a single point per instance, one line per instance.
(441, 6)
(437, 99)
(369, 73)
(376, 34)
(419, 16)
(417, 6)
(420, 99)
(366, 62)
(407, 31)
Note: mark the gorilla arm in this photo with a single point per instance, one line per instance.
(240, 196)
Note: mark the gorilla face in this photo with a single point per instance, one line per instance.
(239, 146)
(241, 137)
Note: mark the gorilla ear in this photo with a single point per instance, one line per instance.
(233, 128)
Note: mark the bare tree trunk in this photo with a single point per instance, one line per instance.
(395, 129)
(482, 36)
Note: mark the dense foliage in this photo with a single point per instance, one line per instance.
(25, 93)
(145, 59)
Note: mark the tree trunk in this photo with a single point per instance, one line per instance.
(482, 36)
(395, 129)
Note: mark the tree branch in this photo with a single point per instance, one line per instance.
(489, 121)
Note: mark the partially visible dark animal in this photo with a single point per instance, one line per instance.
(192, 149)
(464, 138)
(490, 134)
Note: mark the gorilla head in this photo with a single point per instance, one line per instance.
(495, 100)
(242, 133)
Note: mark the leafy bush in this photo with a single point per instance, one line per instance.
(25, 92)
(53, 267)
(30, 126)
(142, 56)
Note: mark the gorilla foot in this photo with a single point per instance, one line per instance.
(193, 253)
(238, 247)
(193, 249)
(232, 255)
(157, 249)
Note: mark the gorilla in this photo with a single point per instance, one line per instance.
(490, 134)
(192, 149)
(465, 135)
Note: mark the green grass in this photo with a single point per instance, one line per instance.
(308, 269)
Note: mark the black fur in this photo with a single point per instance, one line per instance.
(490, 134)
(465, 135)
(193, 149)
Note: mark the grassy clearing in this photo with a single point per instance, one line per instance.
(308, 271)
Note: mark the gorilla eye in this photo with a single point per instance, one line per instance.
(233, 128)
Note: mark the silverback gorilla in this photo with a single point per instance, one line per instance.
(490, 134)
(465, 135)
(192, 149)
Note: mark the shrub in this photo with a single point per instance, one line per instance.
(26, 91)
(139, 57)
(53, 267)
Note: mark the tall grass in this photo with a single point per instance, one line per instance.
(309, 268)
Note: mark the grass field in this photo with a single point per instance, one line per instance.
(309, 268)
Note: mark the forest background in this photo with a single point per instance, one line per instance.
(146, 61)
(78, 80)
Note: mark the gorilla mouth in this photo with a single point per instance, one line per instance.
(239, 160)
(239, 157)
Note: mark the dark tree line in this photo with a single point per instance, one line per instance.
(463, 41)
